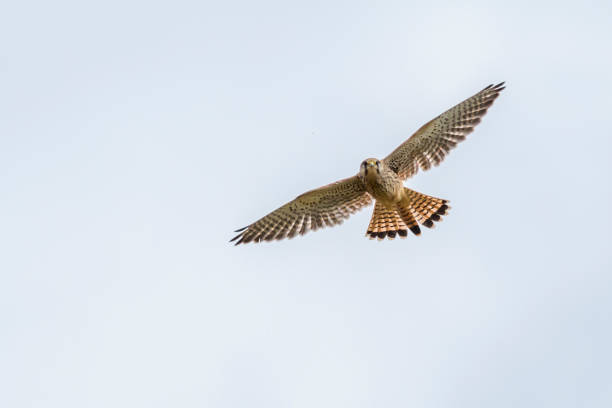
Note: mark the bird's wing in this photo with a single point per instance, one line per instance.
(325, 206)
(431, 143)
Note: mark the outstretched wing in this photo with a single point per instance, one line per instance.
(325, 206)
(431, 143)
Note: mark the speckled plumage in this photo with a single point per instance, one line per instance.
(324, 206)
(433, 141)
(398, 209)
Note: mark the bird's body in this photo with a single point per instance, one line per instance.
(382, 183)
(398, 209)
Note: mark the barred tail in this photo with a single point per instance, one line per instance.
(408, 216)
(424, 208)
(414, 209)
(386, 223)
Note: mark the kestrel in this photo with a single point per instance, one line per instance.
(398, 208)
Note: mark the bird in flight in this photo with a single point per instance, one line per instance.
(397, 208)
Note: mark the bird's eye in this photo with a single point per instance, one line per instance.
(378, 163)
(363, 164)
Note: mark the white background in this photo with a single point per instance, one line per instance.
(136, 136)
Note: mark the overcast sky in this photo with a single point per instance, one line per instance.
(137, 135)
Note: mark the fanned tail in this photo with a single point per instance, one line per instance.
(414, 209)
(405, 211)
(386, 223)
(426, 209)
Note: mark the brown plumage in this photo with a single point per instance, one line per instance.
(398, 209)
(432, 142)
(386, 223)
(413, 209)
(324, 206)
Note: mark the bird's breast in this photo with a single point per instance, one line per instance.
(382, 188)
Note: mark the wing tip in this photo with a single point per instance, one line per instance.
(496, 88)
(235, 238)
(242, 231)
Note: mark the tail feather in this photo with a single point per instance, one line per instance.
(408, 216)
(414, 209)
(426, 209)
(386, 223)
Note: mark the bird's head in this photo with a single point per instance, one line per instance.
(370, 167)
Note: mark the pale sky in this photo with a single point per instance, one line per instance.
(137, 135)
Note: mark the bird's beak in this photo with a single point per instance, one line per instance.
(371, 164)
